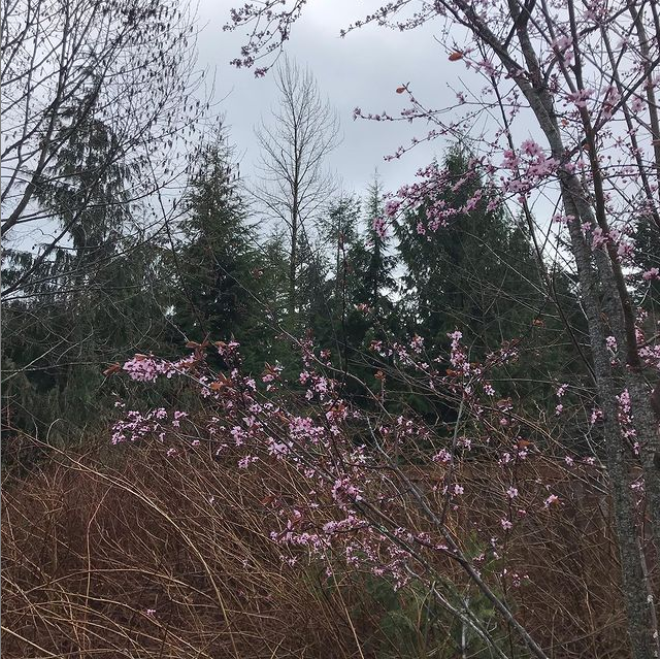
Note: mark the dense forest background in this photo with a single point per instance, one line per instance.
(263, 416)
(217, 274)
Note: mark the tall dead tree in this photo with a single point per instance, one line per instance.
(295, 183)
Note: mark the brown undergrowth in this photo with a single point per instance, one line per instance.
(146, 556)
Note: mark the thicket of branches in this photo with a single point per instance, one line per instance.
(420, 422)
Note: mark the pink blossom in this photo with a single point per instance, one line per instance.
(246, 461)
(392, 207)
(596, 415)
(380, 227)
(465, 442)
(444, 456)
(651, 275)
(637, 104)
(580, 97)
(343, 491)
(599, 239)
(563, 46)
(637, 486)
(511, 161)
(417, 343)
(531, 148)
(177, 418)
(553, 498)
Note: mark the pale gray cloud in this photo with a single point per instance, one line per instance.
(361, 70)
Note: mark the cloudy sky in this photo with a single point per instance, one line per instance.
(362, 70)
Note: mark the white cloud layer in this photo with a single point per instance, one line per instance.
(361, 70)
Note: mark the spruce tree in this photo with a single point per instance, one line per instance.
(477, 274)
(214, 259)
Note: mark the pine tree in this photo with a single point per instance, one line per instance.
(477, 274)
(372, 258)
(217, 255)
(481, 276)
(231, 283)
(362, 306)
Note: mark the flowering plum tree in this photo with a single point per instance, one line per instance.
(362, 504)
(585, 76)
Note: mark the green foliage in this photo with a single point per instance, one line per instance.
(79, 307)
(354, 302)
(372, 260)
(477, 274)
(413, 624)
(114, 292)
(214, 260)
(230, 282)
(480, 275)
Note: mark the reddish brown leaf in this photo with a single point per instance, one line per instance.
(111, 370)
(220, 382)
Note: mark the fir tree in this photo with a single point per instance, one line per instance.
(215, 260)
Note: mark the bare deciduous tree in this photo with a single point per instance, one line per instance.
(295, 182)
(112, 77)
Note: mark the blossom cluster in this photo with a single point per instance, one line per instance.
(258, 421)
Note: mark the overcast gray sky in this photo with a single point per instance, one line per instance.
(361, 70)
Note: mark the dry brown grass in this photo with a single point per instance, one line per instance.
(572, 605)
(89, 548)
